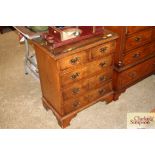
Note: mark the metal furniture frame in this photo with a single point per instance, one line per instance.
(30, 64)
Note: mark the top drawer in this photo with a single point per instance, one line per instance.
(73, 60)
(138, 39)
(102, 50)
(133, 29)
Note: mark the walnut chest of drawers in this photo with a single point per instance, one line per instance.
(134, 57)
(76, 76)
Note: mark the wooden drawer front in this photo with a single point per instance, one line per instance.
(79, 88)
(133, 29)
(100, 65)
(91, 68)
(138, 54)
(75, 103)
(131, 75)
(99, 92)
(100, 79)
(102, 50)
(138, 39)
(76, 89)
(73, 60)
(74, 76)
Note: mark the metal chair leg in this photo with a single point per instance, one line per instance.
(26, 55)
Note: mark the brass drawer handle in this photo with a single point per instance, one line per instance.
(133, 74)
(102, 64)
(74, 60)
(102, 78)
(137, 39)
(102, 91)
(102, 50)
(75, 104)
(137, 55)
(75, 90)
(74, 76)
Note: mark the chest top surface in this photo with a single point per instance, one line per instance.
(72, 48)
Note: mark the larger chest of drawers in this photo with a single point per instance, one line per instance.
(76, 76)
(134, 57)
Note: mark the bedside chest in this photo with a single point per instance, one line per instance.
(77, 75)
(134, 56)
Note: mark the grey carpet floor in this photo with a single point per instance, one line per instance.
(20, 97)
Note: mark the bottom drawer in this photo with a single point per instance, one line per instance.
(77, 103)
(133, 74)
